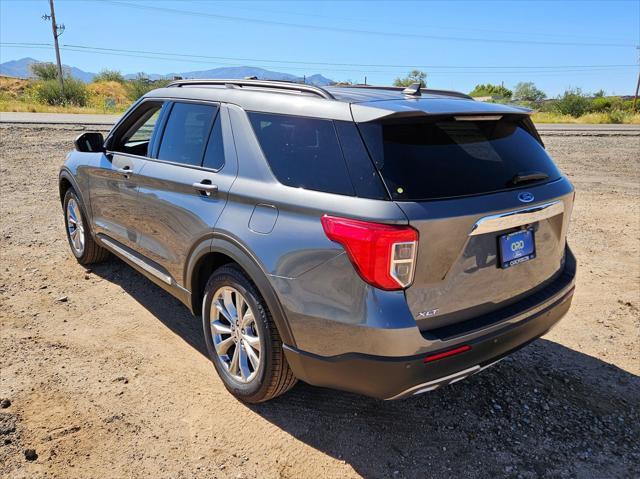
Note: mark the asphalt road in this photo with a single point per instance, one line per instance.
(108, 120)
(57, 118)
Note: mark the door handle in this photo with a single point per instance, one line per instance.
(125, 170)
(207, 188)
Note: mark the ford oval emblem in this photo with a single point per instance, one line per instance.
(526, 197)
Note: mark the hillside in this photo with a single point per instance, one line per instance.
(20, 68)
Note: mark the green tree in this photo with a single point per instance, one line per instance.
(572, 102)
(527, 91)
(44, 71)
(498, 91)
(109, 75)
(414, 76)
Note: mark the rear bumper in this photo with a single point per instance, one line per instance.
(399, 377)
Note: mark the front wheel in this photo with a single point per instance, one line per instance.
(242, 339)
(82, 244)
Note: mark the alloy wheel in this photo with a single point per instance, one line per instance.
(235, 334)
(75, 227)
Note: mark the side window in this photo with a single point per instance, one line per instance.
(138, 130)
(303, 152)
(214, 154)
(186, 133)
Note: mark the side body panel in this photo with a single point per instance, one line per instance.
(280, 226)
(113, 191)
(175, 216)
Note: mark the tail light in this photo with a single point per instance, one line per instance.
(384, 255)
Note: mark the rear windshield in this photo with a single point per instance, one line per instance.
(442, 157)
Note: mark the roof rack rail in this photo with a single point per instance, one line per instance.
(276, 85)
(401, 88)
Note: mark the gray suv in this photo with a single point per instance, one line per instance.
(371, 239)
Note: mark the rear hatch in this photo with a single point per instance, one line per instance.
(491, 208)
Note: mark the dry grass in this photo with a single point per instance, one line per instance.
(102, 94)
(104, 97)
(33, 107)
(589, 118)
(13, 87)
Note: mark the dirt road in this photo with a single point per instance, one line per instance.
(106, 374)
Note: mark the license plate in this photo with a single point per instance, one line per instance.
(516, 248)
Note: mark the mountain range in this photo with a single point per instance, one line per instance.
(20, 68)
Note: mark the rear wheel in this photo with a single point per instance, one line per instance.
(82, 244)
(242, 339)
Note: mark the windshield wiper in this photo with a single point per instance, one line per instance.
(520, 178)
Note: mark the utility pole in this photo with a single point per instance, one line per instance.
(635, 97)
(57, 31)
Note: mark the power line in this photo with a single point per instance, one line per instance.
(358, 31)
(280, 63)
(405, 25)
(333, 63)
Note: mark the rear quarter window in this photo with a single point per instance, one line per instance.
(303, 152)
(421, 159)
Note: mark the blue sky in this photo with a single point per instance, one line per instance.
(459, 43)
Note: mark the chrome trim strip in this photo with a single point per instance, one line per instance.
(512, 219)
(428, 386)
(436, 383)
(137, 261)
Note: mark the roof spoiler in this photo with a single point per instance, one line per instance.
(469, 111)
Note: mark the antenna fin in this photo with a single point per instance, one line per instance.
(413, 89)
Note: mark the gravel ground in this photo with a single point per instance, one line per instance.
(104, 375)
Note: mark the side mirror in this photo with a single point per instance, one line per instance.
(90, 142)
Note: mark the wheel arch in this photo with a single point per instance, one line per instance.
(66, 181)
(224, 250)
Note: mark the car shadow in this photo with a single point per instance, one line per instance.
(545, 411)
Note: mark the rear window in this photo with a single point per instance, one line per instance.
(442, 158)
(303, 152)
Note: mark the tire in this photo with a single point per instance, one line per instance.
(272, 377)
(86, 251)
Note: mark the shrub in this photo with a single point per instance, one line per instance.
(49, 92)
(527, 91)
(572, 102)
(109, 75)
(616, 116)
(626, 105)
(44, 71)
(491, 90)
(548, 106)
(141, 85)
(138, 86)
(600, 104)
